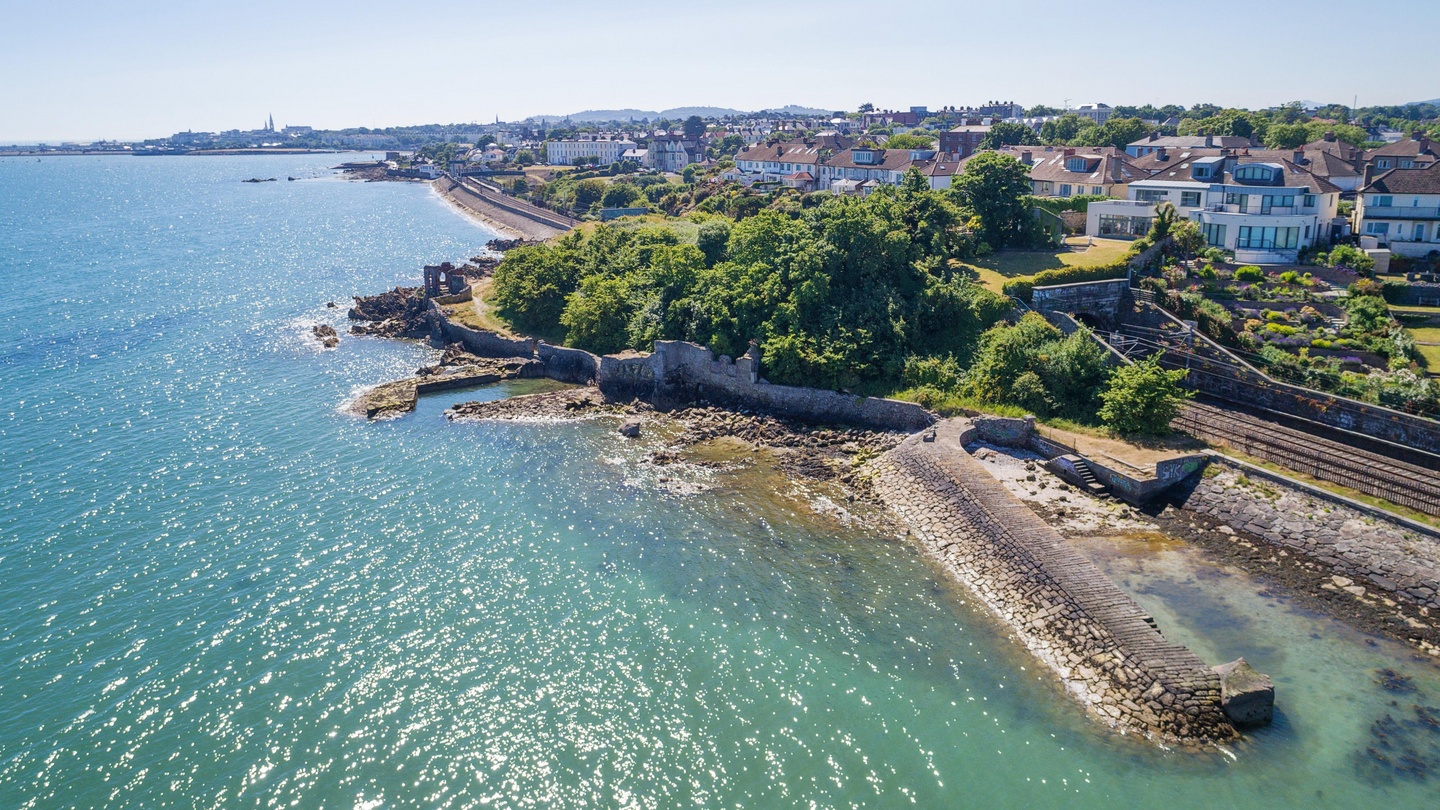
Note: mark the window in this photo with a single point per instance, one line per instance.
(1273, 200)
(1384, 201)
(1379, 228)
(1309, 200)
(1382, 163)
(1419, 232)
(1076, 164)
(1190, 199)
(1151, 195)
(1098, 191)
(1266, 238)
(1064, 189)
(1240, 200)
(1116, 225)
(1255, 173)
(1215, 235)
(1407, 164)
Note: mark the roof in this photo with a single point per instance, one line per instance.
(1408, 181)
(1194, 142)
(982, 128)
(890, 160)
(945, 164)
(800, 176)
(785, 152)
(1293, 174)
(1333, 145)
(1409, 147)
(1103, 165)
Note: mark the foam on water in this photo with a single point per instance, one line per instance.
(218, 591)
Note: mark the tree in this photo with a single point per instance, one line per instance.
(1186, 238)
(1164, 223)
(909, 141)
(622, 195)
(693, 127)
(525, 157)
(1116, 131)
(1008, 134)
(1143, 398)
(1287, 136)
(587, 193)
(995, 187)
(1040, 110)
(712, 238)
(1060, 130)
(867, 107)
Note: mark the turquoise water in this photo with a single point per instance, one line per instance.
(217, 590)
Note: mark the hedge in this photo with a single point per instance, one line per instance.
(1022, 287)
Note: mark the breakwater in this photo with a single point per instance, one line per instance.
(1096, 639)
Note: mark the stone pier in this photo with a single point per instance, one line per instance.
(1100, 643)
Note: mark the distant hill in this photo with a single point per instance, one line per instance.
(1435, 101)
(592, 116)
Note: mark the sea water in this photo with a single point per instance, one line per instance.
(217, 589)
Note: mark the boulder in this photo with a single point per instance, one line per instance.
(630, 430)
(1247, 696)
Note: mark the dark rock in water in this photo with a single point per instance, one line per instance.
(259, 180)
(400, 312)
(1393, 681)
(331, 305)
(1247, 696)
(630, 430)
(325, 333)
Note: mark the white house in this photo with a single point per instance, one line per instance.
(605, 150)
(1401, 209)
(1263, 211)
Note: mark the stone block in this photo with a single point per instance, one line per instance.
(1247, 696)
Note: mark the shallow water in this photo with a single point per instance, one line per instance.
(216, 589)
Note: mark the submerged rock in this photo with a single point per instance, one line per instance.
(1247, 696)
(630, 430)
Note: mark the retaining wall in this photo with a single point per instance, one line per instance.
(1097, 639)
(1368, 545)
(1218, 372)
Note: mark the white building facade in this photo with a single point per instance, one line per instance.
(605, 150)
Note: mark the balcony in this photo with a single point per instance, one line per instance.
(1400, 212)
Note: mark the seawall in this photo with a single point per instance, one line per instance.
(1097, 640)
(678, 373)
(515, 216)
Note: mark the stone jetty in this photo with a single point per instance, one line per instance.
(1100, 643)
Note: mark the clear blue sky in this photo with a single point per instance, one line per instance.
(88, 70)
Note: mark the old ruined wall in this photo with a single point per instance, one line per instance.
(568, 365)
(1356, 541)
(678, 372)
(1095, 638)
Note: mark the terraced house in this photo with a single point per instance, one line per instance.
(1263, 210)
(1401, 209)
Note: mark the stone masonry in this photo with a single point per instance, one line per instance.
(1069, 615)
(1376, 554)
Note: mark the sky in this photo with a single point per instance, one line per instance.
(86, 70)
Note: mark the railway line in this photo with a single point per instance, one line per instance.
(1374, 474)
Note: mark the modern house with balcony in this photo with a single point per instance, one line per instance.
(1401, 209)
(1263, 211)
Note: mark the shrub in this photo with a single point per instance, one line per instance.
(1249, 273)
(1143, 398)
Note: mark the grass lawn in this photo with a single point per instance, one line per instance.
(1432, 358)
(1416, 310)
(997, 268)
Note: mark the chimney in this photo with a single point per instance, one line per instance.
(1069, 152)
(1026, 158)
(1254, 139)
(1209, 141)
(1329, 137)
(1369, 175)
(1162, 154)
(1299, 157)
(1154, 136)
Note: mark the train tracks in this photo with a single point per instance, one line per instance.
(1396, 481)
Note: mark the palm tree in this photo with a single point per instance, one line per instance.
(1165, 218)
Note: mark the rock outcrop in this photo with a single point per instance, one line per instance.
(401, 312)
(1247, 696)
(325, 333)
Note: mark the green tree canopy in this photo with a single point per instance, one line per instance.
(1143, 398)
(996, 187)
(1008, 134)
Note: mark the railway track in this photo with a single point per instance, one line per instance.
(1396, 481)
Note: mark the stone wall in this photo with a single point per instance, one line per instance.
(568, 365)
(1359, 542)
(1218, 372)
(686, 372)
(1099, 299)
(1069, 615)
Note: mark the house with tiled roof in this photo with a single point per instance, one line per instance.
(1264, 211)
(1414, 152)
(870, 165)
(1401, 209)
(1181, 143)
(1073, 172)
